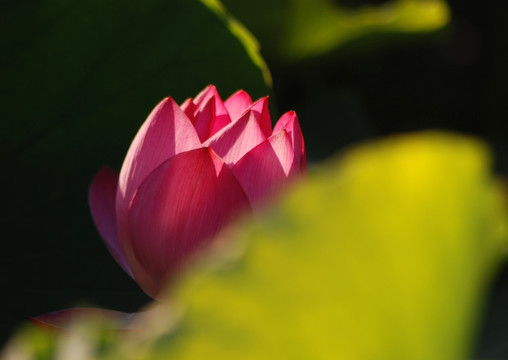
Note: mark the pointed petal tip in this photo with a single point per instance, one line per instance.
(208, 88)
(166, 99)
(187, 102)
(201, 95)
(104, 171)
(106, 168)
(260, 107)
(161, 106)
(261, 99)
(188, 107)
(237, 104)
(239, 92)
(222, 117)
(166, 131)
(236, 139)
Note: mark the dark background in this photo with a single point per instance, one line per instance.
(455, 78)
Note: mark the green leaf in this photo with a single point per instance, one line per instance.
(291, 30)
(78, 80)
(384, 254)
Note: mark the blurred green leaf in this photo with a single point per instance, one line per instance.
(291, 30)
(383, 254)
(78, 79)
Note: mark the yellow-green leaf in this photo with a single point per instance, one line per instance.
(384, 254)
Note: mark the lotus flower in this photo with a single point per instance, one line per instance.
(190, 171)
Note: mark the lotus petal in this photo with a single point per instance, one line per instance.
(266, 168)
(237, 104)
(289, 122)
(236, 139)
(260, 108)
(188, 172)
(188, 108)
(101, 199)
(204, 119)
(179, 207)
(221, 114)
(167, 131)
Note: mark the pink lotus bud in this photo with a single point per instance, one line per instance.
(190, 171)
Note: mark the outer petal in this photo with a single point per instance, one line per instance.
(266, 168)
(236, 139)
(166, 132)
(221, 114)
(237, 104)
(260, 108)
(63, 319)
(101, 198)
(176, 210)
(289, 122)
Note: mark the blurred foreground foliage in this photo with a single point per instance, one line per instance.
(294, 30)
(383, 253)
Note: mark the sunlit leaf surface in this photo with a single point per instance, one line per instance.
(384, 253)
